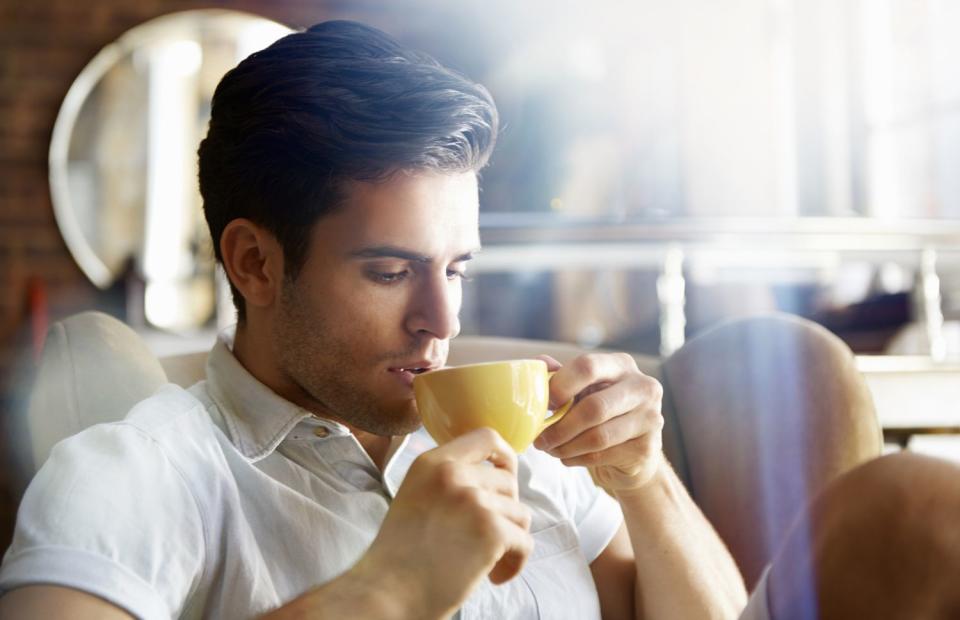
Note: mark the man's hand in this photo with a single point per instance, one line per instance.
(454, 520)
(614, 427)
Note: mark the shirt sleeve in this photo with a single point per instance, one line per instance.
(596, 515)
(109, 514)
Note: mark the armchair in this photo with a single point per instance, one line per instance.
(760, 413)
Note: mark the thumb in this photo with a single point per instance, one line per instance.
(552, 364)
(508, 566)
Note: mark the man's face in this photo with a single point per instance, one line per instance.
(378, 298)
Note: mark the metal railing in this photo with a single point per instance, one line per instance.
(526, 242)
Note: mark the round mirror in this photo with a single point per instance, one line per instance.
(123, 163)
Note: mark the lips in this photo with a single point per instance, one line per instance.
(408, 370)
(415, 370)
(417, 367)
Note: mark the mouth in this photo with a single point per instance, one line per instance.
(415, 371)
(406, 373)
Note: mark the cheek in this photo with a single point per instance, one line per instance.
(368, 312)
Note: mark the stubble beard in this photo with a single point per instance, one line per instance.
(326, 367)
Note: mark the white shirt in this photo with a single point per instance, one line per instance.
(227, 501)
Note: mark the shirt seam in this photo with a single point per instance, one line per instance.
(204, 524)
(592, 513)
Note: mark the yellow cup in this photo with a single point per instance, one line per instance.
(512, 397)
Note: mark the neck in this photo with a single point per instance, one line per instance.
(376, 446)
(252, 351)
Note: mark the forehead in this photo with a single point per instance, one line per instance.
(433, 213)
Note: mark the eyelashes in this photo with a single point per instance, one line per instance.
(387, 277)
(395, 277)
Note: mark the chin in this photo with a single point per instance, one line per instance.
(397, 419)
(409, 422)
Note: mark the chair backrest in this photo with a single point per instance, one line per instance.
(93, 369)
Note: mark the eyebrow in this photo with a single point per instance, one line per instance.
(390, 251)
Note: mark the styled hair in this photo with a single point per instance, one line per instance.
(342, 101)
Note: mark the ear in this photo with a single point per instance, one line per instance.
(253, 260)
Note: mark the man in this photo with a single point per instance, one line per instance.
(339, 179)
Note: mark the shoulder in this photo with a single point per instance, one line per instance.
(131, 474)
(114, 510)
(173, 420)
(152, 443)
(170, 409)
(162, 447)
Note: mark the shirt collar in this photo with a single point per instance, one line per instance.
(256, 417)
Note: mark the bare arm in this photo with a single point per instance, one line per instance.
(349, 596)
(683, 568)
(669, 563)
(45, 601)
(345, 597)
(352, 595)
(615, 576)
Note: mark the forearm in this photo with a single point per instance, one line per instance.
(683, 568)
(352, 595)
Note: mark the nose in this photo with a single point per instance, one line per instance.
(435, 308)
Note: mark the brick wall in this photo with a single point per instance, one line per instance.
(43, 46)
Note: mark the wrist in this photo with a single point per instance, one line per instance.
(351, 595)
(388, 593)
(394, 591)
(658, 484)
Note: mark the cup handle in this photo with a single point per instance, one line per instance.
(557, 414)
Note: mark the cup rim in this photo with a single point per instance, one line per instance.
(478, 364)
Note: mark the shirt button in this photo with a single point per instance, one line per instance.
(321, 431)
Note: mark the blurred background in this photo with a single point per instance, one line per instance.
(663, 166)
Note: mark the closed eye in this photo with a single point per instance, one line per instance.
(388, 277)
(453, 274)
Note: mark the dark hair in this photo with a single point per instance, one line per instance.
(340, 101)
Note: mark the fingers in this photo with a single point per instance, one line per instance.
(510, 564)
(507, 508)
(503, 523)
(552, 363)
(518, 545)
(477, 446)
(629, 456)
(453, 504)
(589, 369)
(496, 480)
(464, 463)
(451, 475)
(637, 395)
(623, 428)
